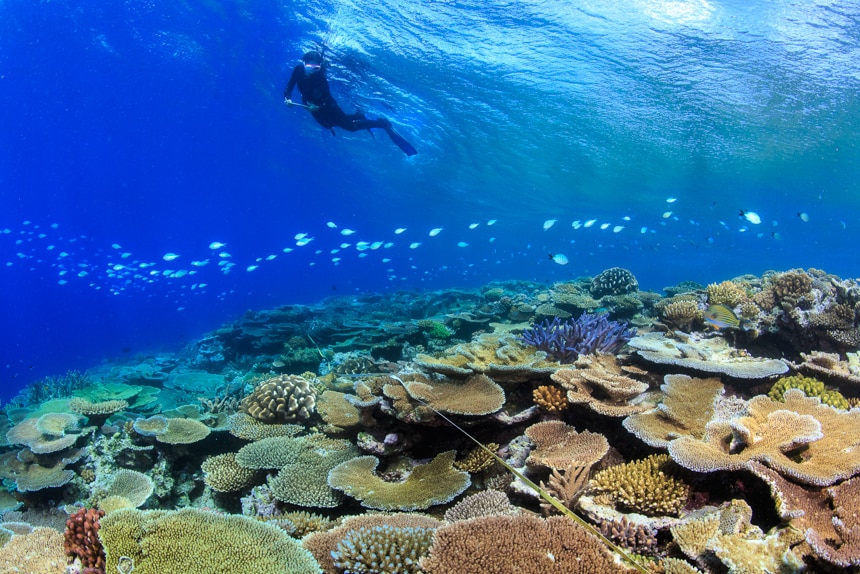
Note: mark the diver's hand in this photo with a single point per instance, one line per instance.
(313, 107)
(288, 101)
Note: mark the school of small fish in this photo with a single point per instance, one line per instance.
(117, 269)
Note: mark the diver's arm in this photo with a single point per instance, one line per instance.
(288, 91)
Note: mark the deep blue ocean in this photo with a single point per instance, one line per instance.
(135, 134)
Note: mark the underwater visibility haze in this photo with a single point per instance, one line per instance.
(623, 260)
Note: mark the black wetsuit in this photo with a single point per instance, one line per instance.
(314, 90)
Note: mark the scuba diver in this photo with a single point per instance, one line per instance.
(309, 77)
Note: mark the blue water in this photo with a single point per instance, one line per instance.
(147, 128)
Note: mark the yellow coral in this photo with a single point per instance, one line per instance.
(811, 388)
(682, 313)
(39, 552)
(550, 399)
(478, 459)
(223, 474)
(645, 486)
(726, 293)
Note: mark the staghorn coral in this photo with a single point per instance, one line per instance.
(478, 459)
(800, 438)
(558, 445)
(682, 313)
(646, 486)
(383, 549)
(566, 486)
(550, 399)
(613, 281)
(478, 395)
(81, 538)
(37, 552)
(811, 388)
(518, 544)
(436, 482)
(322, 543)
(565, 341)
(281, 399)
(727, 293)
(223, 474)
(195, 541)
(600, 382)
(483, 503)
(686, 407)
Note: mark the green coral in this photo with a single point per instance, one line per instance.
(194, 541)
(644, 486)
(383, 549)
(811, 388)
(435, 329)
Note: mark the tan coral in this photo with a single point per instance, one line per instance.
(792, 285)
(846, 522)
(478, 395)
(566, 485)
(483, 503)
(550, 399)
(337, 411)
(682, 313)
(281, 399)
(39, 552)
(802, 439)
(727, 293)
(223, 474)
(603, 384)
(183, 431)
(477, 459)
(558, 445)
(247, 427)
(646, 486)
(518, 544)
(686, 407)
(101, 408)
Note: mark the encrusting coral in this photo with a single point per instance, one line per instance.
(436, 482)
(646, 486)
(811, 388)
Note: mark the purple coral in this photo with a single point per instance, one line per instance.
(566, 340)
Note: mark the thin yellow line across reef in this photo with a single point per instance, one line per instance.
(543, 493)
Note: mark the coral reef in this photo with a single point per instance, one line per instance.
(223, 474)
(565, 341)
(558, 445)
(37, 552)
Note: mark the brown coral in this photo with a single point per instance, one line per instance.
(613, 281)
(478, 459)
(38, 552)
(81, 539)
(792, 285)
(602, 383)
(682, 313)
(223, 474)
(99, 409)
(558, 445)
(518, 544)
(727, 293)
(550, 399)
(281, 399)
(478, 395)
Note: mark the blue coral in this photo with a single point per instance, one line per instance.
(566, 340)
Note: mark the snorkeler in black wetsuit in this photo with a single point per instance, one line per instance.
(310, 78)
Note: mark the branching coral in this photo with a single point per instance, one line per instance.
(223, 474)
(646, 486)
(726, 293)
(81, 538)
(483, 503)
(383, 549)
(565, 341)
(550, 399)
(37, 552)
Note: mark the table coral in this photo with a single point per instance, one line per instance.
(603, 384)
(81, 538)
(271, 452)
(183, 431)
(337, 411)
(39, 552)
(557, 445)
(49, 433)
(647, 486)
(436, 482)
(32, 472)
(248, 428)
(518, 544)
(478, 395)
(281, 399)
(801, 438)
(686, 407)
(194, 541)
(223, 474)
(303, 482)
(846, 522)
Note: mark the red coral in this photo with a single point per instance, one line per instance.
(82, 540)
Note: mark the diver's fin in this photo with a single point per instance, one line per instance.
(401, 142)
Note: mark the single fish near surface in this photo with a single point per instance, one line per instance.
(559, 258)
(804, 217)
(331, 225)
(170, 256)
(589, 223)
(399, 230)
(473, 225)
(346, 231)
(721, 317)
(751, 216)
(549, 223)
(435, 231)
(217, 245)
